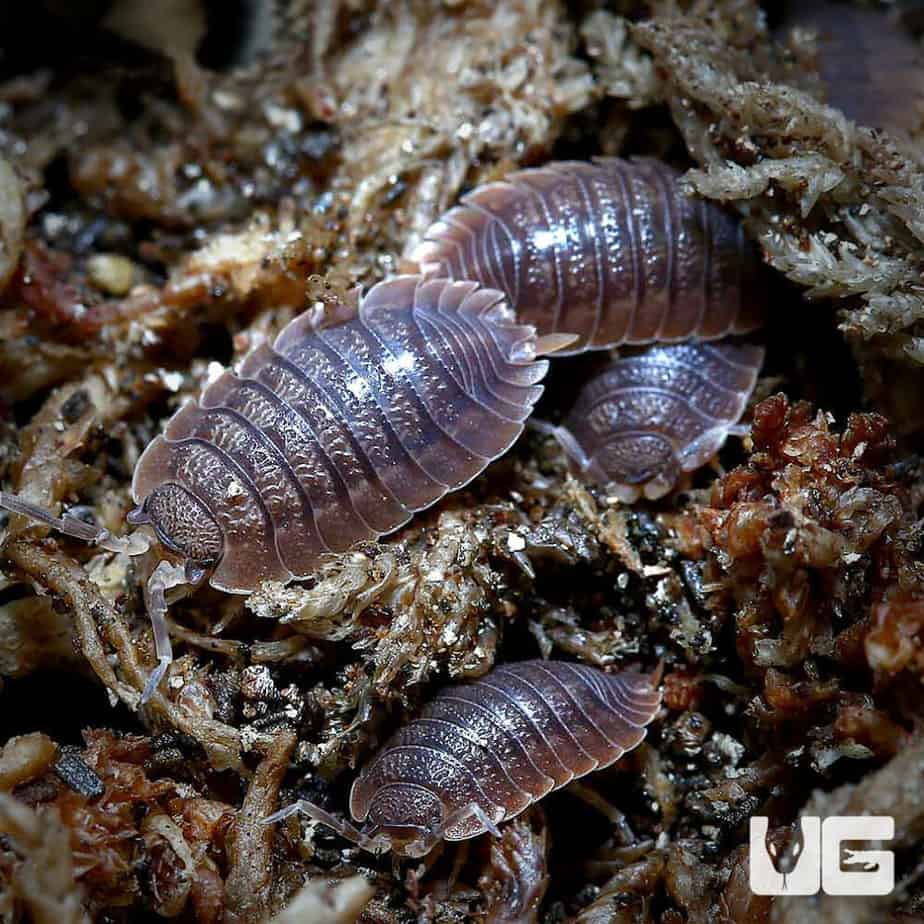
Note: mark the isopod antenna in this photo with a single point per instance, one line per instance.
(166, 576)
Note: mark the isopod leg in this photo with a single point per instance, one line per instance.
(164, 577)
(339, 825)
(609, 811)
(480, 814)
(414, 876)
(133, 544)
(567, 442)
(658, 486)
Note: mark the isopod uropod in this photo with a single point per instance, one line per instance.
(481, 752)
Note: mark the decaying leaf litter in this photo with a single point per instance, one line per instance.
(143, 245)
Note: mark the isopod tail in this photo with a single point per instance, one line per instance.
(553, 343)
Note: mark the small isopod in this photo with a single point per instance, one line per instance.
(647, 418)
(482, 752)
(612, 251)
(332, 435)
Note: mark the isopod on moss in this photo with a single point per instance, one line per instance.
(649, 417)
(613, 251)
(340, 432)
(482, 752)
(332, 435)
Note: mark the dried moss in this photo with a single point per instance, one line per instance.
(835, 205)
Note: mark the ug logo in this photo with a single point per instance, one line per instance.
(817, 858)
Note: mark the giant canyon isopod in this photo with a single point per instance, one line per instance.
(481, 752)
(651, 416)
(612, 251)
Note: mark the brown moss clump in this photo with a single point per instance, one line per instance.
(139, 840)
(36, 867)
(807, 551)
(804, 549)
(135, 841)
(805, 538)
(810, 498)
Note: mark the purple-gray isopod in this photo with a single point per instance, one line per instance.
(613, 251)
(482, 752)
(332, 435)
(337, 434)
(646, 418)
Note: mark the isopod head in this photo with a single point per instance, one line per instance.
(407, 818)
(182, 523)
(635, 459)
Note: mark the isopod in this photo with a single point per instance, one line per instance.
(647, 418)
(332, 435)
(482, 752)
(612, 251)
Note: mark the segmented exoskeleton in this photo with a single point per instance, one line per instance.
(337, 434)
(613, 251)
(481, 752)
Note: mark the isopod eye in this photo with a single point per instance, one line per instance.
(182, 523)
